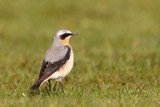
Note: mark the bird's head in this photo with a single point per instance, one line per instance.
(63, 36)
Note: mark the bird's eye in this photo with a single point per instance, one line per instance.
(64, 36)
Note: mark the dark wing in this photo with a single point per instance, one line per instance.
(49, 68)
(44, 64)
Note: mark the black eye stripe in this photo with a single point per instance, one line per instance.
(63, 36)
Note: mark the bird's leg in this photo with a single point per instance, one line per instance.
(62, 87)
(49, 84)
(54, 89)
(59, 87)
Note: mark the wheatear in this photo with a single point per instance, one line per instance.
(58, 60)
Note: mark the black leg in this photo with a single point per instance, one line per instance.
(49, 84)
(61, 87)
(54, 89)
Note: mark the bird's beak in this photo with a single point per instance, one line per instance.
(73, 34)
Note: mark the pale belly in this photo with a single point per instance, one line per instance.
(63, 71)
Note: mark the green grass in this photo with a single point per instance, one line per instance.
(117, 51)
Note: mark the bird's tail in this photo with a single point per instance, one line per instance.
(36, 85)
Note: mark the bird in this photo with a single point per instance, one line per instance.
(58, 61)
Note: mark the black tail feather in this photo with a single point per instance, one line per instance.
(35, 86)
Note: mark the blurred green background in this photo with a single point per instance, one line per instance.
(117, 51)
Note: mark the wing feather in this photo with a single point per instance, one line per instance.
(44, 65)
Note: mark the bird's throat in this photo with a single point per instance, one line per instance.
(66, 42)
